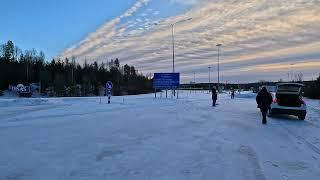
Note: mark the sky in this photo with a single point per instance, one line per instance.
(261, 39)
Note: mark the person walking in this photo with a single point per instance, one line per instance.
(264, 100)
(232, 94)
(214, 96)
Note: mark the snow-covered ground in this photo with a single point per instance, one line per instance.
(138, 137)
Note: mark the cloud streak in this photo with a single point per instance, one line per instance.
(259, 37)
(105, 32)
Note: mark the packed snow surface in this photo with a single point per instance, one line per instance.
(139, 137)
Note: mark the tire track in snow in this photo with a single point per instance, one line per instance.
(253, 160)
(27, 110)
(310, 145)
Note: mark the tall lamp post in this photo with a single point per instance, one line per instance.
(209, 68)
(194, 80)
(173, 45)
(219, 45)
(173, 53)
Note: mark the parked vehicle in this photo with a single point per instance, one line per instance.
(288, 100)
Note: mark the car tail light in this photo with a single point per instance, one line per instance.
(275, 100)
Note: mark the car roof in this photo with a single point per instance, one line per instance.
(291, 84)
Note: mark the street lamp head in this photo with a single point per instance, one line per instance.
(183, 20)
(219, 45)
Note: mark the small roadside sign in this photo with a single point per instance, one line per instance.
(109, 85)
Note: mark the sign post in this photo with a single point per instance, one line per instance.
(109, 87)
(166, 81)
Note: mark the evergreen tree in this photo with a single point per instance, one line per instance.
(9, 51)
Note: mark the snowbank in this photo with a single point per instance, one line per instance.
(245, 94)
(139, 137)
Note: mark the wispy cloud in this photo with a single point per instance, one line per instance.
(104, 33)
(189, 2)
(255, 34)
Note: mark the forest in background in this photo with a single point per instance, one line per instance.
(65, 77)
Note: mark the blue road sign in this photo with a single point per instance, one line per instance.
(109, 85)
(166, 80)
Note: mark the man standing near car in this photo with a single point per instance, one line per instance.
(214, 96)
(264, 100)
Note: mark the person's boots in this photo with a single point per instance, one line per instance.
(264, 120)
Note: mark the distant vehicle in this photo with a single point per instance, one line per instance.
(288, 100)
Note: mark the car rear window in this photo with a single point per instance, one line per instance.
(289, 88)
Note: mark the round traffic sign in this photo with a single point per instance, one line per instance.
(109, 85)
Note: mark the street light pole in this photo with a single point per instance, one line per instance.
(194, 80)
(173, 53)
(209, 78)
(172, 34)
(219, 45)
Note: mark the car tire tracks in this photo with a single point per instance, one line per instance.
(310, 145)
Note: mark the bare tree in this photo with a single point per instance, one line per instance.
(299, 77)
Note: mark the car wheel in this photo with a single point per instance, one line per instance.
(302, 117)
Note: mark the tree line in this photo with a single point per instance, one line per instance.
(66, 77)
(312, 89)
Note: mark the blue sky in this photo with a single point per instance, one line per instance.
(261, 38)
(52, 26)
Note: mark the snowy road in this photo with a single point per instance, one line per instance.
(138, 137)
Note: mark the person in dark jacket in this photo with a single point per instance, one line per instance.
(214, 96)
(232, 94)
(264, 100)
